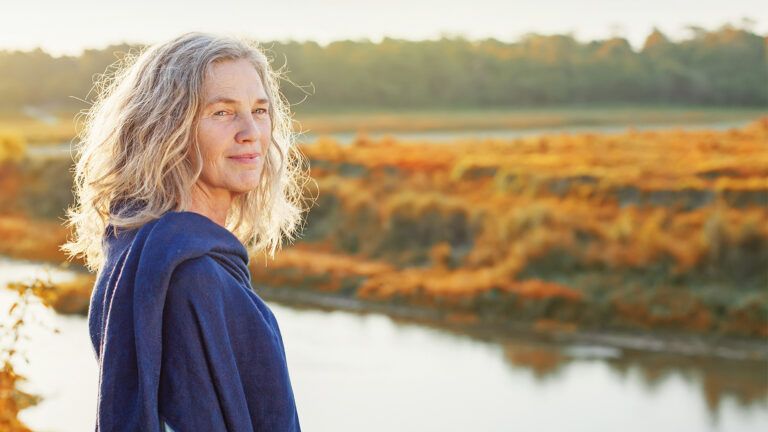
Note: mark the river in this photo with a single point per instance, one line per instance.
(368, 372)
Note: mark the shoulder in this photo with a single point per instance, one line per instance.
(193, 232)
(196, 278)
(177, 237)
(185, 220)
(176, 227)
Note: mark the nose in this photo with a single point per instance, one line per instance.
(249, 131)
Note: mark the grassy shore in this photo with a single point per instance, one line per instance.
(515, 118)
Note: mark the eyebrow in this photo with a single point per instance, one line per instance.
(226, 100)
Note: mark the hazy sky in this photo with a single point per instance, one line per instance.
(68, 26)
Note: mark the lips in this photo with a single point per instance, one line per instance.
(246, 158)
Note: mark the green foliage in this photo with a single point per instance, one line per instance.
(727, 66)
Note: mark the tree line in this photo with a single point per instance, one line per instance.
(727, 66)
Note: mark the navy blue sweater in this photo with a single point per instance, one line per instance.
(180, 337)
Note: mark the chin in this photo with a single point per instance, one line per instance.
(241, 190)
(245, 185)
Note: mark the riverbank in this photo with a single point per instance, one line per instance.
(541, 330)
(71, 298)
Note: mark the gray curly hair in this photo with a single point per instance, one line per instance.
(138, 146)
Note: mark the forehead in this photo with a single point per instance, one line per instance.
(234, 79)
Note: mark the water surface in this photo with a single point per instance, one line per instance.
(367, 372)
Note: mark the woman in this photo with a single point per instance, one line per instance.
(187, 156)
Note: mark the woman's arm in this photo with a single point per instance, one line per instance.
(223, 366)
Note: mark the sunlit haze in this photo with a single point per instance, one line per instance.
(69, 27)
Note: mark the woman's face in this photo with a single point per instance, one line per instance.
(233, 130)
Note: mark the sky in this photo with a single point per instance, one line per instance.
(66, 27)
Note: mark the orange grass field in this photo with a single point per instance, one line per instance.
(640, 229)
(656, 210)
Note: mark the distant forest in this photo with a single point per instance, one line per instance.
(723, 67)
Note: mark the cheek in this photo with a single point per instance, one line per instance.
(212, 141)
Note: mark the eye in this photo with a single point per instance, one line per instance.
(260, 111)
(220, 113)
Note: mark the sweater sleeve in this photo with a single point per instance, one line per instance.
(223, 362)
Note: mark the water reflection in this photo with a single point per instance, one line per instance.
(743, 382)
(364, 371)
(484, 385)
(62, 368)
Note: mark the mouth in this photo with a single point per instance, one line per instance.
(246, 157)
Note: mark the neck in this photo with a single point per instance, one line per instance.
(214, 208)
